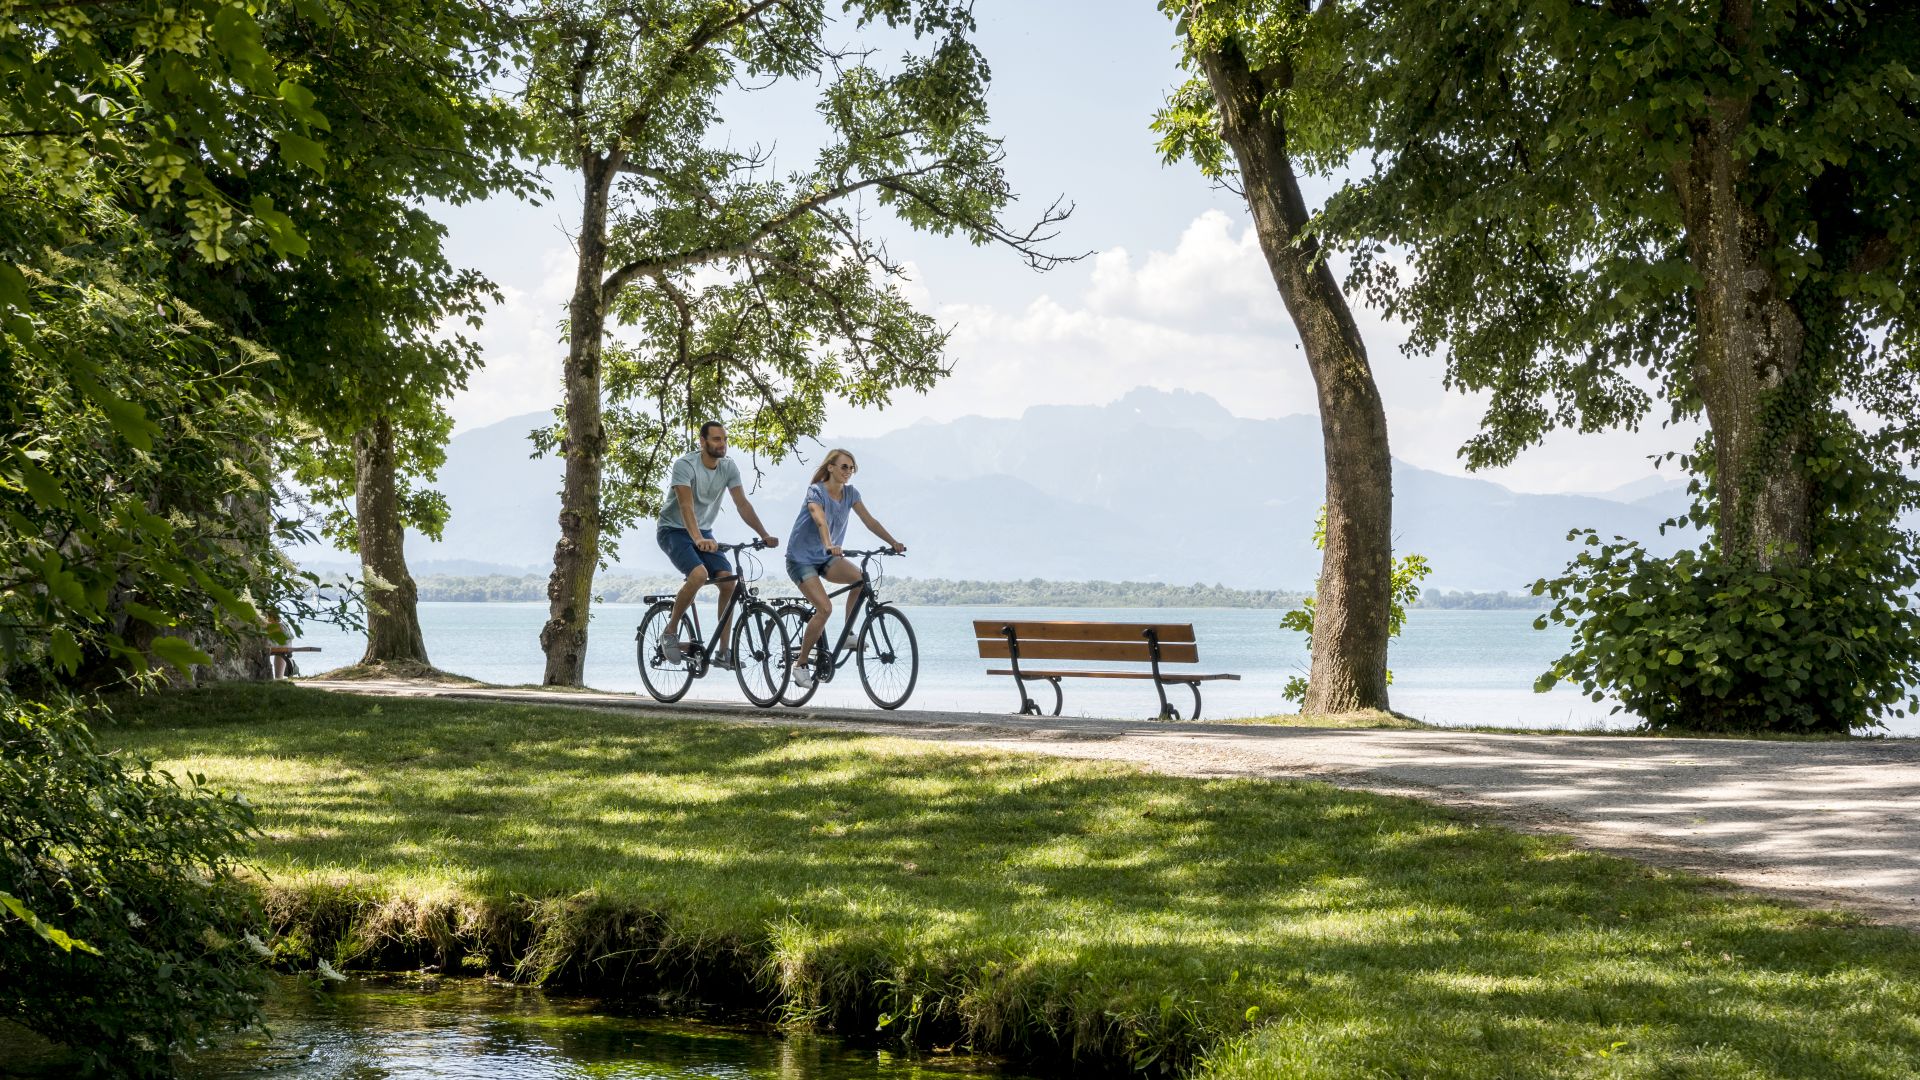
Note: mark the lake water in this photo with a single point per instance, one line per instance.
(1449, 667)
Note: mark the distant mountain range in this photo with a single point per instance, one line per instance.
(1158, 486)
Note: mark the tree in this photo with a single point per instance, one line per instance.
(1246, 97)
(1711, 203)
(207, 118)
(1595, 191)
(753, 294)
(359, 319)
(128, 483)
(1408, 572)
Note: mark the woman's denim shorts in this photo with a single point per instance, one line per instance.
(800, 572)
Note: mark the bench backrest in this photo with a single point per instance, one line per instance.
(1119, 642)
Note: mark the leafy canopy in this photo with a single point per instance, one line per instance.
(1529, 158)
(749, 293)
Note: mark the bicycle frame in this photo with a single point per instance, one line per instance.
(842, 650)
(743, 592)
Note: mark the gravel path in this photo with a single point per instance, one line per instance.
(1832, 823)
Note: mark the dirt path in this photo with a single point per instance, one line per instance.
(1834, 823)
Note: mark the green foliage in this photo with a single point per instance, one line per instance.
(139, 869)
(369, 319)
(154, 93)
(752, 295)
(133, 482)
(1530, 162)
(1408, 572)
(1706, 641)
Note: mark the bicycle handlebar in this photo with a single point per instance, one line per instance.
(844, 553)
(756, 545)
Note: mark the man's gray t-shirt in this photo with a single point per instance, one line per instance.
(707, 484)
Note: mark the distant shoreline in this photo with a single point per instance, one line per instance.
(941, 592)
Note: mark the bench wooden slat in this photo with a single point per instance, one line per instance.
(1089, 650)
(1069, 630)
(282, 650)
(1027, 673)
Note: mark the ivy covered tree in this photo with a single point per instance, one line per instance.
(1604, 202)
(754, 296)
(1239, 118)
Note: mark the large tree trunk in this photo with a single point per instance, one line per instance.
(393, 604)
(1349, 669)
(576, 555)
(1751, 343)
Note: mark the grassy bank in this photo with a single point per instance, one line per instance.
(1021, 903)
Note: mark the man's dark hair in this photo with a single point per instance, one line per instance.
(708, 427)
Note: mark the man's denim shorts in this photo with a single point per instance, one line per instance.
(800, 571)
(679, 548)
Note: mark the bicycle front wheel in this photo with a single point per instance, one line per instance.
(667, 680)
(793, 619)
(760, 650)
(889, 657)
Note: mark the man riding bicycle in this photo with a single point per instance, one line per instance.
(685, 531)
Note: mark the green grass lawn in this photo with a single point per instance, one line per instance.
(1022, 903)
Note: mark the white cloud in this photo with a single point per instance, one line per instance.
(523, 346)
(1203, 316)
(1206, 317)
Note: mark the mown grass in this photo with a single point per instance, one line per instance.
(1024, 904)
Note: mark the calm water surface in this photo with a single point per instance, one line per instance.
(1459, 667)
(445, 1028)
(1449, 667)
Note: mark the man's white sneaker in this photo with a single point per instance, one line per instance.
(802, 676)
(670, 649)
(724, 660)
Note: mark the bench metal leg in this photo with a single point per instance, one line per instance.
(1030, 707)
(1167, 711)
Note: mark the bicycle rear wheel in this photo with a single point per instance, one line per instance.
(667, 680)
(889, 657)
(793, 618)
(760, 653)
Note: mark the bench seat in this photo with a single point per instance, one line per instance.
(1164, 676)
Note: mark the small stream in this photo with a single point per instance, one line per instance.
(376, 1027)
(405, 1027)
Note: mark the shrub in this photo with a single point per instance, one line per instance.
(1407, 574)
(125, 937)
(1821, 642)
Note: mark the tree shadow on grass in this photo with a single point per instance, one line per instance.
(1043, 903)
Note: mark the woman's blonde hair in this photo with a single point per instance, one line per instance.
(820, 474)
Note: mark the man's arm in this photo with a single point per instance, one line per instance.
(752, 519)
(876, 528)
(685, 494)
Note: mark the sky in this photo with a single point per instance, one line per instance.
(1173, 293)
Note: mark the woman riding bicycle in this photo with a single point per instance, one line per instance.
(813, 551)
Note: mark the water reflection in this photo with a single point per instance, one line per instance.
(461, 1028)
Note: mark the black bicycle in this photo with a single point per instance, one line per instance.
(885, 648)
(760, 646)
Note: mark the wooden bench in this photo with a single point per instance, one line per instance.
(286, 652)
(1153, 644)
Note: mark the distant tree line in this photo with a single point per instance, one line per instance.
(1503, 600)
(504, 588)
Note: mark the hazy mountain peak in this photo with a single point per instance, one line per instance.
(1172, 408)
